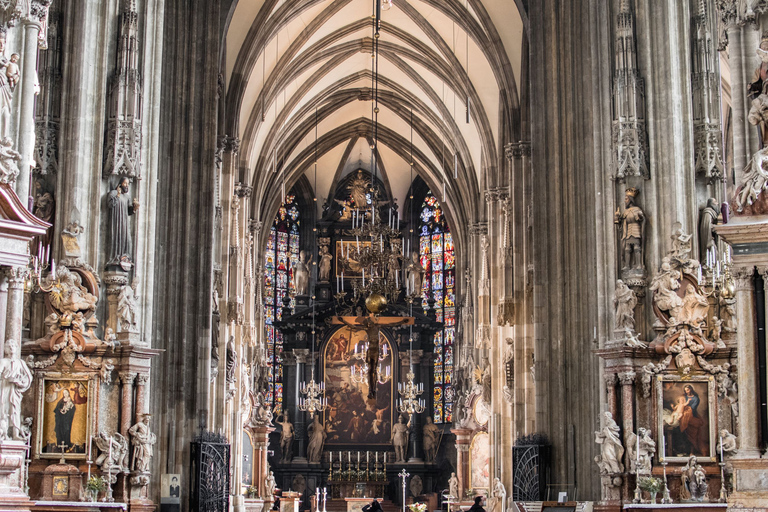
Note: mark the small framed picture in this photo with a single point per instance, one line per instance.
(66, 409)
(687, 421)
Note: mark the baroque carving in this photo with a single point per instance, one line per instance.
(611, 449)
(142, 440)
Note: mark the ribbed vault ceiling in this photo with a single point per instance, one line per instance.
(301, 69)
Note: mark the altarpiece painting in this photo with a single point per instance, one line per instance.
(686, 417)
(64, 404)
(350, 418)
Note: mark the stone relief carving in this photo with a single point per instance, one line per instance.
(754, 179)
(261, 414)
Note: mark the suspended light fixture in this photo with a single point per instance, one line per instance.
(314, 399)
(410, 403)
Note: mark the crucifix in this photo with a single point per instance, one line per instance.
(372, 325)
(62, 446)
(403, 475)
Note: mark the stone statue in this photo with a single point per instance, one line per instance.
(431, 437)
(632, 222)
(286, 438)
(754, 179)
(120, 208)
(499, 495)
(127, 307)
(9, 159)
(399, 440)
(114, 452)
(728, 314)
(12, 71)
(324, 273)
(632, 340)
(317, 437)
(611, 450)
(358, 189)
(624, 300)
(647, 451)
(142, 440)
(717, 331)
(301, 274)
(15, 379)
(45, 205)
(414, 273)
(707, 222)
(270, 485)
(665, 286)
(6, 90)
(727, 443)
(261, 414)
(231, 368)
(756, 92)
(695, 308)
(693, 481)
(485, 381)
(393, 266)
(453, 486)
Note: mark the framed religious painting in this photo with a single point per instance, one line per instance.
(346, 259)
(66, 404)
(686, 414)
(351, 418)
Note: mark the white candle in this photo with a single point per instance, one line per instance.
(637, 454)
(722, 459)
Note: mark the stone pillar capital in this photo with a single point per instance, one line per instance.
(627, 378)
(742, 277)
(17, 276)
(141, 379)
(302, 355)
(127, 377)
(610, 379)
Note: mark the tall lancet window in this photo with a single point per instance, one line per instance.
(279, 260)
(439, 261)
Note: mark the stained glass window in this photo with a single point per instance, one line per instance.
(439, 261)
(279, 261)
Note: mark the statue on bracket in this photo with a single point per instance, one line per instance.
(414, 274)
(707, 236)
(286, 438)
(632, 223)
(121, 207)
(9, 77)
(127, 307)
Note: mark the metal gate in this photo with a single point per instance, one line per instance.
(530, 466)
(210, 473)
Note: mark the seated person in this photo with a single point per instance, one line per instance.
(375, 506)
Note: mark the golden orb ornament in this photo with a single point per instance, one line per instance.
(376, 303)
(729, 289)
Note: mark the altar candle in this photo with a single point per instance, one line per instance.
(722, 458)
(367, 453)
(637, 453)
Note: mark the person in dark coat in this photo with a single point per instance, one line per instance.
(375, 506)
(478, 506)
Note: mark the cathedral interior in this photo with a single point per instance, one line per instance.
(304, 255)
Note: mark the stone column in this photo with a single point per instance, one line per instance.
(610, 391)
(627, 410)
(15, 306)
(141, 395)
(747, 374)
(29, 84)
(260, 436)
(463, 440)
(126, 412)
